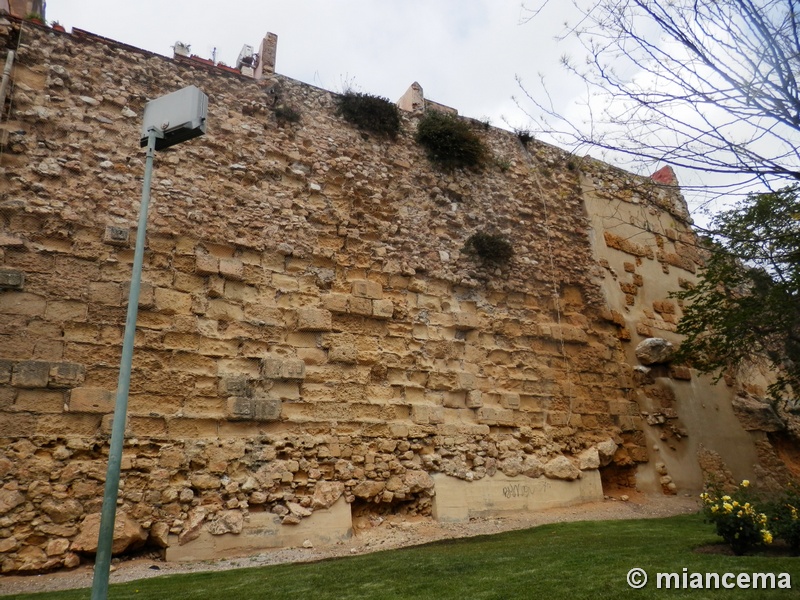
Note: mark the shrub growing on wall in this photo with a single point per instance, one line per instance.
(287, 114)
(449, 141)
(491, 247)
(371, 113)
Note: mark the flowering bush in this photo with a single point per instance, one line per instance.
(736, 518)
(785, 518)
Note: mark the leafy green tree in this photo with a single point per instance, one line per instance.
(747, 301)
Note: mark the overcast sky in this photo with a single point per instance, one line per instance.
(464, 53)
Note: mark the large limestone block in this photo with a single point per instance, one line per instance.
(654, 351)
(561, 468)
(128, 534)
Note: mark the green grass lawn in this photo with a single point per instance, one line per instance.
(565, 560)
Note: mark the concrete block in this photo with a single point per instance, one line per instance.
(266, 408)
(117, 236)
(363, 288)
(235, 385)
(263, 530)
(66, 375)
(11, 279)
(360, 306)
(30, 374)
(293, 369)
(6, 366)
(280, 368)
(240, 408)
(490, 415)
(458, 501)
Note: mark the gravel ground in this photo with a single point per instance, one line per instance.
(369, 536)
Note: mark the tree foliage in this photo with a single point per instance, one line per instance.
(702, 84)
(747, 301)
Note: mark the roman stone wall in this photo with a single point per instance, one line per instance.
(310, 326)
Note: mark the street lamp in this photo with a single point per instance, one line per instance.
(167, 121)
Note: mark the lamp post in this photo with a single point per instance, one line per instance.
(167, 121)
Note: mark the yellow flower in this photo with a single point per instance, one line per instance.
(745, 483)
(766, 536)
(726, 498)
(727, 506)
(714, 508)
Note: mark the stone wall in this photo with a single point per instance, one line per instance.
(310, 326)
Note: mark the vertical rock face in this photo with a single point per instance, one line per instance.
(310, 325)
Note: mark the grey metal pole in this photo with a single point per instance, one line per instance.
(107, 516)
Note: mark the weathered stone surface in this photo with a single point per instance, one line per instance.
(313, 319)
(757, 415)
(193, 526)
(229, 521)
(561, 467)
(654, 351)
(368, 489)
(417, 481)
(326, 493)
(9, 500)
(589, 459)
(159, 534)
(127, 534)
(30, 374)
(273, 247)
(532, 467)
(62, 511)
(606, 450)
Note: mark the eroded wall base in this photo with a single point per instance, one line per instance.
(264, 530)
(457, 500)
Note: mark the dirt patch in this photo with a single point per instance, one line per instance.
(372, 533)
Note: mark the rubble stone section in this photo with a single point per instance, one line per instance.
(312, 335)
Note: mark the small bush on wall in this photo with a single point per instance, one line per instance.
(491, 247)
(287, 114)
(371, 113)
(450, 142)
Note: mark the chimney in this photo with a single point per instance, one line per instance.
(413, 99)
(23, 8)
(266, 57)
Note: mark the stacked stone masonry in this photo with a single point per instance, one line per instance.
(310, 326)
